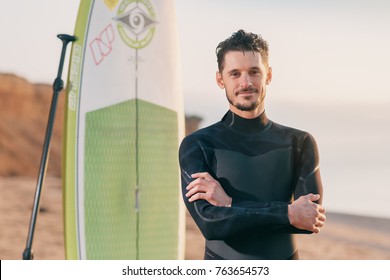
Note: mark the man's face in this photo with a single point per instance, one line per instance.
(244, 78)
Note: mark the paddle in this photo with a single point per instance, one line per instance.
(57, 87)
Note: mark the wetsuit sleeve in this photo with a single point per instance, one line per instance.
(223, 222)
(307, 177)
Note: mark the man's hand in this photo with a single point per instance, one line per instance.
(303, 213)
(206, 187)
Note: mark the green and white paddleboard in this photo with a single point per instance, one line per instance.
(124, 121)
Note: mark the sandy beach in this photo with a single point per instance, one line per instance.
(345, 237)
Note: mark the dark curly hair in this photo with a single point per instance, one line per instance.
(241, 41)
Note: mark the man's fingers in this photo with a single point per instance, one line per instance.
(313, 197)
(196, 196)
(316, 230)
(204, 175)
(304, 213)
(322, 217)
(205, 187)
(194, 183)
(195, 189)
(319, 224)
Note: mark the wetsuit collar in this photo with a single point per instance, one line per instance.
(242, 125)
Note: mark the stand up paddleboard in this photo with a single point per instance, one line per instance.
(124, 120)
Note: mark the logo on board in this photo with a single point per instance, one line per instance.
(136, 22)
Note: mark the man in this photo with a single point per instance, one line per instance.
(250, 183)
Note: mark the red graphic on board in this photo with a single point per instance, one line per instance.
(102, 46)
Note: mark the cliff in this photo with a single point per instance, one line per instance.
(24, 112)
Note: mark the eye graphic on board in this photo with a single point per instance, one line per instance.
(136, 21)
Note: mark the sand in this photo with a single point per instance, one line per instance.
(344, 237)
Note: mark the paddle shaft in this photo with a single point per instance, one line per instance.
(57, 87)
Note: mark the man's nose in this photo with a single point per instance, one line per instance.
(245, 81)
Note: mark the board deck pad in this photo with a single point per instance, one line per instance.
(124, 121)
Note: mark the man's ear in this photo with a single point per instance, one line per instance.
(218, 78)
(269, 76)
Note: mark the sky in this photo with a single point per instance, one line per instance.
(327, 51)
(330, 62)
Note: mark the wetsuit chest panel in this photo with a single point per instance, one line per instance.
(266, 177)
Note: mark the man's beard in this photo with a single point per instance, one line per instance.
(244, 107)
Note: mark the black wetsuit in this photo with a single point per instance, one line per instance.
(263, 166)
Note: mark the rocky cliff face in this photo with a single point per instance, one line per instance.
(24, 112)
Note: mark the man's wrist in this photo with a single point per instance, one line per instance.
(289, 215)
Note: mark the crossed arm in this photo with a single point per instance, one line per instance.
(303, 213)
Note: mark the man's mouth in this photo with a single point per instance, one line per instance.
(247, 91)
